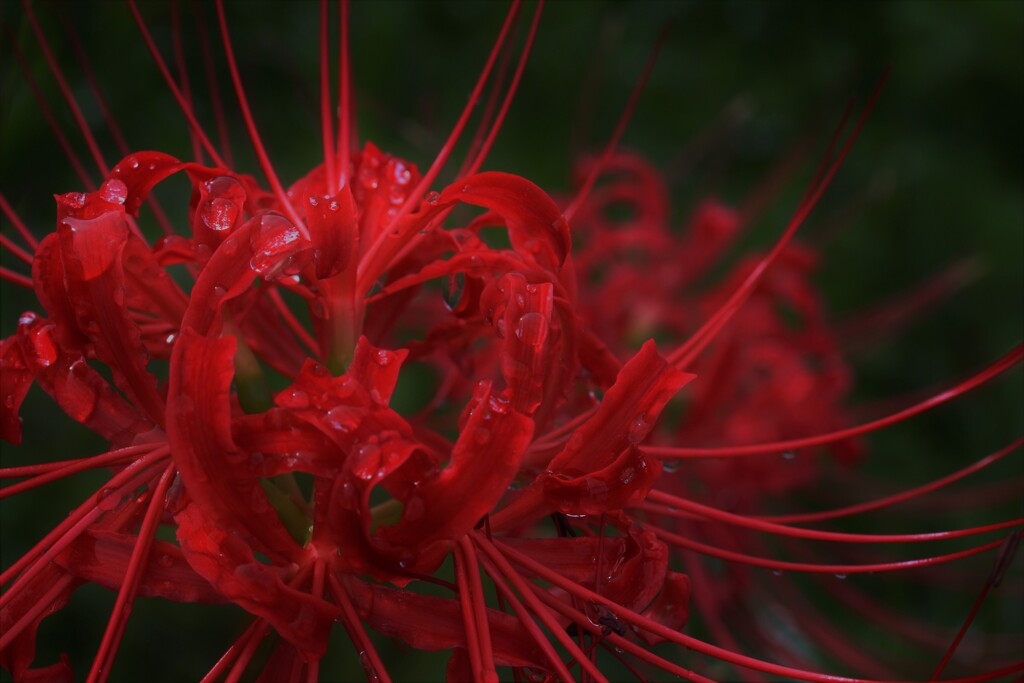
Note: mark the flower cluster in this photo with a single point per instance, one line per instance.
(537, 511)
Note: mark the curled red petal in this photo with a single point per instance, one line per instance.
(78, 389)
(670, 609)
(51, 586)
(633, 568)
(484, 461)
(431, 623)
(102, 557)
(535, 223)
(623, 483)
(15, 381)
(333, 222)
(227, 562)
(91, 250)
(213, 468)
(625, 417)
(627, 413)
(376, 369)
(48, 279)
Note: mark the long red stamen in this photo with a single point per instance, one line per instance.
(250, 125)
(583, 623)
(65, 90)
(375, 671)
(991, 372)
(51, 121)
(255, 630)
(687, 352)
(529, 624)
(475, 595)
(507, 102)
(38, 607)
(18, 224)
(183, 104)
(502, 565)
(366, 278)
(640, 621)
(326, 117)
(620, 128)
(104, 660)
(75, 523)
(841, 569)
(346, 112)
(212, 87)
(1003, 560)
(898, 497)
(48, 472)
(677, 507)
(183, 82)
(15, 278)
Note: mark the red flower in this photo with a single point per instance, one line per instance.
(554, 477)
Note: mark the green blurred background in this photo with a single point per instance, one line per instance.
(936, 178)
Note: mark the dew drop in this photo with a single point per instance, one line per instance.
(43, 345)
(367, 461)
(400, 173)
(114, 191)
(532, 329)
(454, 287)
(342, 418)
(384, 357)
(219, 214)
(294, 398)
(841, 577)
(274, 242)
(789, 455)
(107, 499)
(432, 197)
(639, 428)
(165, 561)
(72, 200)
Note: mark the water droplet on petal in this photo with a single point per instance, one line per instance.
(384, 357)
(841, 577)
(342, 418)
(432, 197)
(367, 461)
(454, 287)
(639, 428)
(532, 329)
(293, 398)
(113, 191)
(44, 346)
(107, 499)
(219, 214)
(275, 242)
(789, 455)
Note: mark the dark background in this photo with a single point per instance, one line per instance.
(935, 179)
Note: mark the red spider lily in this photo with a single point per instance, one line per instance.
(558, 389)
